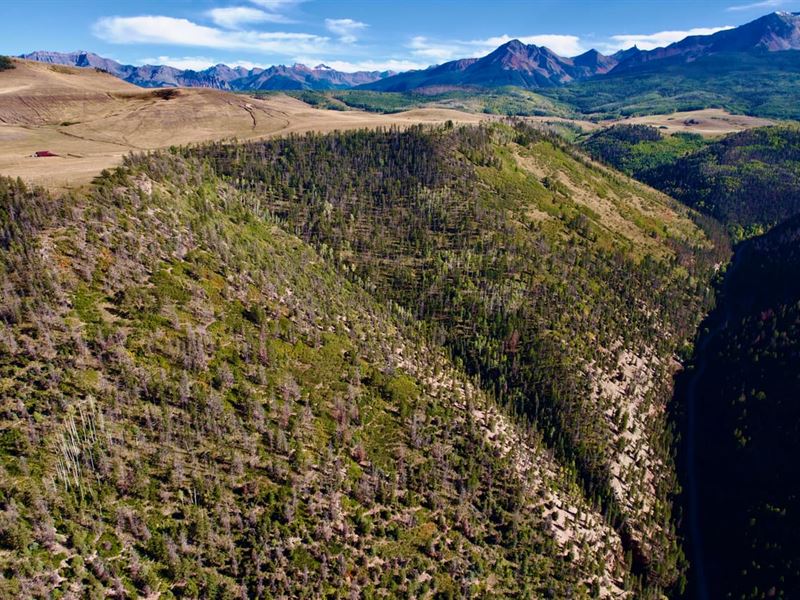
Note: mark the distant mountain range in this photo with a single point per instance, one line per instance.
(530, 66)
(774, 32)
(223, 77)
(512, 64)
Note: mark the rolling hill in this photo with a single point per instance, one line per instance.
(91, 119)
(758, 83)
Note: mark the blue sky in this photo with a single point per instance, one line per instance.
(355, 34)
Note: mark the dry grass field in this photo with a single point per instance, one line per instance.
(708, 122)
(90, 119)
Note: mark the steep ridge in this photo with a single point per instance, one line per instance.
(595, 63)
(534, 67)
(537, 269)
(199, 405)
(513, 64)
(739, 394)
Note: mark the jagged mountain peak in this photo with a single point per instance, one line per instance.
(513, 63)
(773, 32)
(516, 48)
(626, 53)
(785, 15)
(513, 45)
(595, 60)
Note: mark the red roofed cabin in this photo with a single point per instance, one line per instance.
(43, 153)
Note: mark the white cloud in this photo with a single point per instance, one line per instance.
(234, 17)
(660, 39)
(754, 5)
(276, 5)
(182, 32)
(441, 51)
(276, 9)
(195, 63)
(346, 29)
(436, 51)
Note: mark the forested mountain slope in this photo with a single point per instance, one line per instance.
(748, 180)
(196, 402)
(638, 149)
(535, 267)
(749, 415)
(758, 83)
(745, 381)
